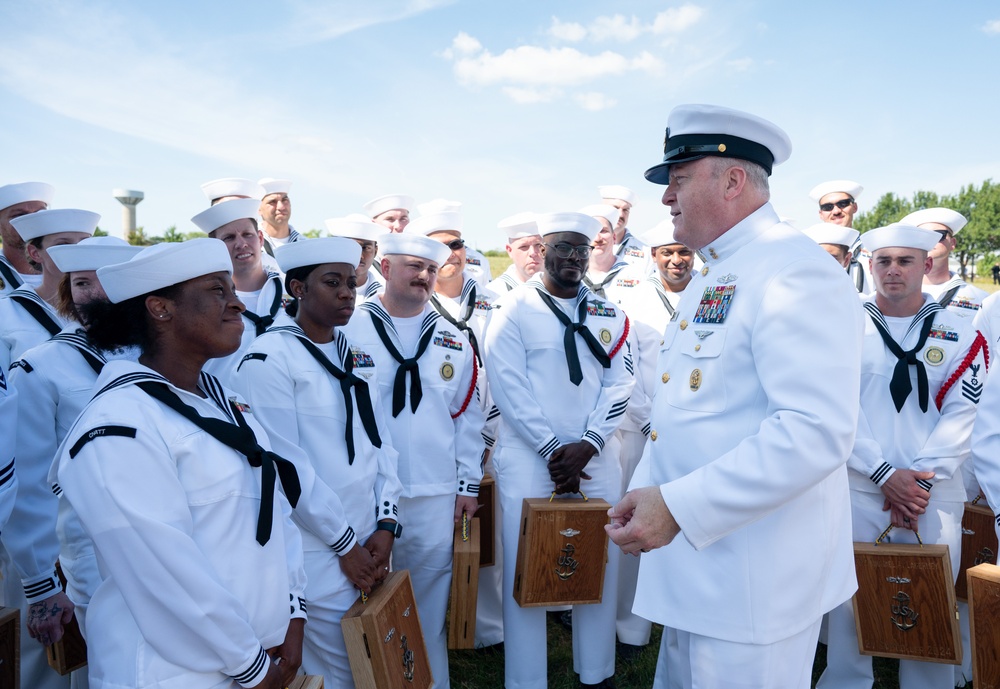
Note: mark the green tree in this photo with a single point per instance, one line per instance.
(171, 235)
(888, 209)
(137, 237)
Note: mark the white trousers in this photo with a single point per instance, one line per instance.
(523, 474)
(631, 628)
(489, 600)
(426, 549)
(329, 594)
(692, 661)
(846, 668)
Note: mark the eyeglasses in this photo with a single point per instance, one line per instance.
(945, 234)
(566, 250)
(842, 204)
(368, 247)
(456, 244)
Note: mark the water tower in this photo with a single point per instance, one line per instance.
(129, 199)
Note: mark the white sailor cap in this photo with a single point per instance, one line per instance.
(232, 186)
(359, 227)
(409, 244)
(953, 220)
(92, 253)
(900, 235)
(581, 223)
(697, 131)
(828, 233)
(163, 265)
(836, 186)
(448, 221)
(11, 194)
(53, 221)
(389, 202)
(660, 234)
(316, 251)
(602, 210)
(519, 225)
(211, 219)
(274, 186)
(439, 206)
(616, 191)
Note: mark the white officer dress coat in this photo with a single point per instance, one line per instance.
(752, 424)
(189, 597)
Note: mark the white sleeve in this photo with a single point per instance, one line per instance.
(8, 430)
(467, 415)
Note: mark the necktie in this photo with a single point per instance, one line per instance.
(405, 366)
(262, 323)
(242, 439)
(569, 338)
(347, 381)
(462, 323)
(900, 386)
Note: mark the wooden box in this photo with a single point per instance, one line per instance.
(70, 652)
(979, 543)
(385, 644)
(464, 588)
(10, 647)
(562, 551)
(984, 611)
(487, 515)
(905, 605)
(307, 682)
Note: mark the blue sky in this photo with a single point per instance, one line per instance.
(505, 106)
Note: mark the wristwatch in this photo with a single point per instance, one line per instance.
(396, 529)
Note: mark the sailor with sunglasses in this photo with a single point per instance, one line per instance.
(837, 201)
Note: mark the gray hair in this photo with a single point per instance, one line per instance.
(756, 175)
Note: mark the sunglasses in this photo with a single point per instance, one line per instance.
(842, 204)
(455, 244)
(566, 250)
(944, 234)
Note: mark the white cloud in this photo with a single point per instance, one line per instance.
(570, 32)
(462, 44)
(311, 21)
(616, 28)
(741, 65)
(595, 101)
(528, 96)
(992, 26)
(677, 19)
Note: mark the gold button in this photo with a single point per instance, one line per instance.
(684, 325)
(652, 436)
(711, 252)
(697, 347)
(665, 377)
(704, 271)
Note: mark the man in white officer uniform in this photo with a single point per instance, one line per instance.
(234, 222)
(17, 200)
(627, 247)
(923, 369)
(838, 204)
(747, 452)
(427, 379)
(524, 247)
(366, 233)
(550, 341)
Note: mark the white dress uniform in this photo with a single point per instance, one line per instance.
(527, 365)
(957, 295)
(620, 279)
(10, 279)
(257, 318)
(477, 266)
(440, 452)
(635, 253)
(507, 281)
(8, 430)
(753, 420)
(189, 597)
(301, 406)
(20, 329)
(937, 440)
(373, 286)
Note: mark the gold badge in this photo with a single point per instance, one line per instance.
(704, 271)
(605, 336)
(695, 380)
(447, 371)
(934, 356)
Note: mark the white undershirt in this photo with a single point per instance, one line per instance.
(408, 330)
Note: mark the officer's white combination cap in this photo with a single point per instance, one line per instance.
(697, 131)
(211, 219)
(581, 223)
(232, 186)
(389, 202)
(318, 251)
(519, 225)
(92, 253)
(11, 194)
(163, 265)
(836, 186)
(602, 210)
(828, 233)
(42, 223)
(275, 186)
(616, 191)
(449, 221)
(409, 244)
(359, 227)
(953, 220)
(900, 235)
(439, 206)
(660, 234)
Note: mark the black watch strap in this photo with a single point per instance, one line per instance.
(395, 529)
